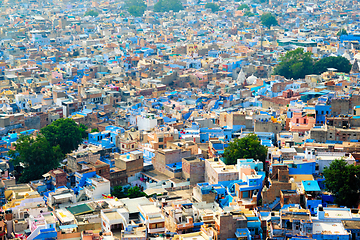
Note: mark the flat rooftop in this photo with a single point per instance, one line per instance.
(156, 175)
(132, 204)
(351, 224)
(112, 215)
(150, 208)
(329, 228)
(337, 213)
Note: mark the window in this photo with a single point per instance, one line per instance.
(245, 194)
(297, 120)
(161, 139)
(160, 225)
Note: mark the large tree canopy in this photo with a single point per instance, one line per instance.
(243, 6)
(246, 147)
(135, 7)
(297, 64)
(167, 5)
(91, 13)
(213, 6)
(342, 32)
(132, 192)
(36, 156)
(343, 181)
(268, 20)
(340, 63)
(65, 133)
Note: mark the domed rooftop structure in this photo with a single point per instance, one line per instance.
(251, 80)
(241, 77)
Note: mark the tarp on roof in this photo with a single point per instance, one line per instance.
(311, 186)
(80, 209)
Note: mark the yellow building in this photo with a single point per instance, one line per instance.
(191, 49)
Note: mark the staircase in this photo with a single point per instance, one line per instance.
(225, 202)
(81, 195)
(36, 232)
(275, 203)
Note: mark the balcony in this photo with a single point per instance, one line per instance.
(156, 230)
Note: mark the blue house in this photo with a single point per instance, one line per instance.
(214, 53)
(105, 138)
(301, 168)
(48, 234)
(243, 233)
(320, 113)
(222, 134)
(312, 192)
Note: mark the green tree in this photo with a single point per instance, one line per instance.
(249, 14)
(340, 63)
(65, 133)
(268, 20)
(343, 181)
(168, 5)
(246, 147)
(132, 192)
(295, 64)
(118, 191)
(342, 32)
(91, 13)
(83, 128)
(94, 130)
(135, 192)
(136, 7)
(243, 6)
(36, 155)
(213, 6)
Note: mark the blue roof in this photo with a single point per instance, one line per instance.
(311, 93)
(68, 226)
(311, 186)
(242, 232)
(177, 165)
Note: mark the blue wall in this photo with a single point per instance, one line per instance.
(302, 168)
(321, 111)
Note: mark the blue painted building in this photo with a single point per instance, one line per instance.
(320, 113)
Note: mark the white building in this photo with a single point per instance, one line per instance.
(146, 121)
(97, 187)
(61, 196)
(29, 207)
(115, 219)
(152, 217)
